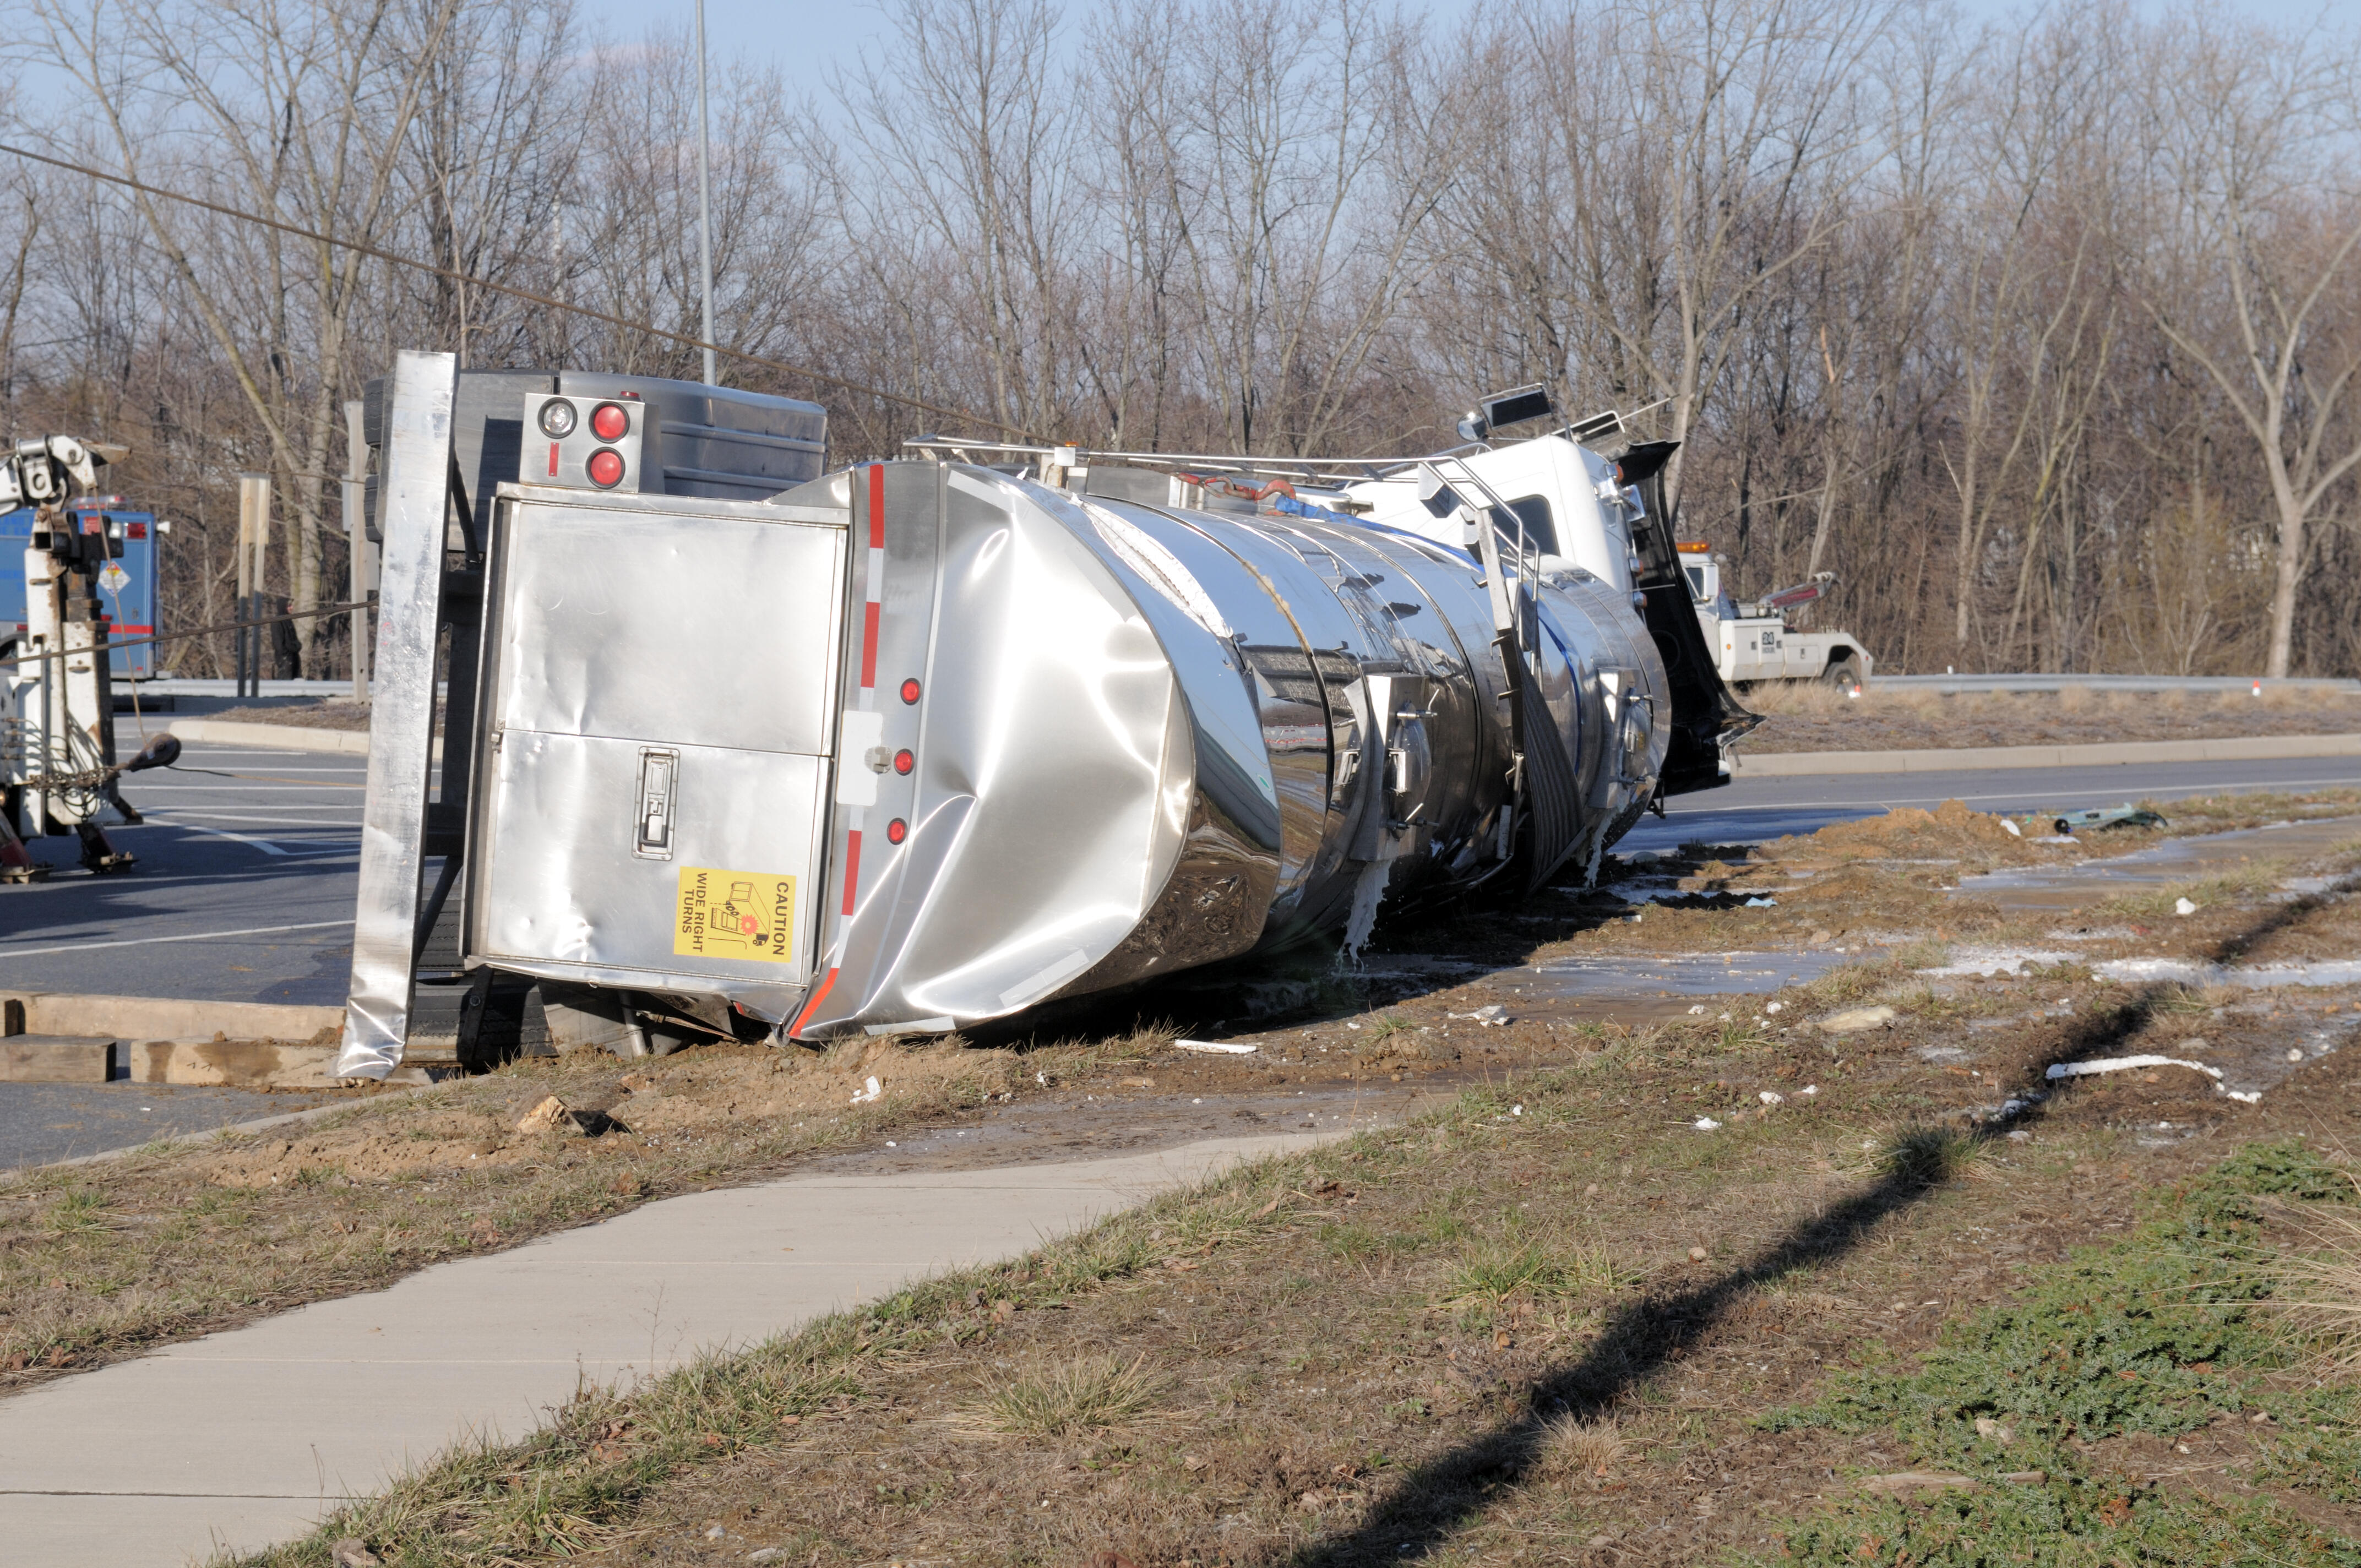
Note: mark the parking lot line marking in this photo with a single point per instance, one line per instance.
(8, 951)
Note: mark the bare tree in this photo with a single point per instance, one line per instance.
(293, 107)
(2255, 278)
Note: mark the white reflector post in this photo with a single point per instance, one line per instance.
(415, 489)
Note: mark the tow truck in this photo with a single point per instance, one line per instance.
(1755, 639)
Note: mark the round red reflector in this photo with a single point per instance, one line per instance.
(609, 422)
(904, 761)
(605, 468)
(897, 830)
(909, 691)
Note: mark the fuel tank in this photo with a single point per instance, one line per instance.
(923, 744)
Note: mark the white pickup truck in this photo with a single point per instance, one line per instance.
(1753, 641)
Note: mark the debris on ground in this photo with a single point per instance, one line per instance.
(1852, 1020)
(1908, 1481)
(2124, 1064)
(2067, 824)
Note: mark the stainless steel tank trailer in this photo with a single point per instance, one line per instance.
(738, 748)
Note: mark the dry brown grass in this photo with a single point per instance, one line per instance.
(1813, 717)
(1574, 1447)
(2319, 1295)
(1069, 1397)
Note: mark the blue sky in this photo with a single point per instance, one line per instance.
(807, 39)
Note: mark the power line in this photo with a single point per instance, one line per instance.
(527, 295)
(181, 636)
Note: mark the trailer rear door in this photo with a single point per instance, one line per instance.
(659, 731)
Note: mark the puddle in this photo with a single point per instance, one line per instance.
(2019, 1020)
(1698, 974)
(2259, 977)
(2160, 865)
(1989, 961)
(1986, 963)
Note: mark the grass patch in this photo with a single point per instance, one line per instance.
(571, 1486)
(1920, 1157)
(1494, 1272)
(2238, 886)
(1086, 1394)
(2158, 1336)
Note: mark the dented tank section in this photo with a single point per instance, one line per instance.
(1140, 739)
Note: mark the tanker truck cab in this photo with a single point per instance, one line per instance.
(1559, 498)
(1567, 509)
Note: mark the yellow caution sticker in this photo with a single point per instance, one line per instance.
(734, 914)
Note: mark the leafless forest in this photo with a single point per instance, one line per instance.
(2043, 335)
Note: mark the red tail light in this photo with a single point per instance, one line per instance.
(609, 422)
(605, 468)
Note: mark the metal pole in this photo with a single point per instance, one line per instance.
(245, 584)
(356, 543)
(254, 554)
(704, 198)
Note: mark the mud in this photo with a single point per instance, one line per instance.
(692, 1096)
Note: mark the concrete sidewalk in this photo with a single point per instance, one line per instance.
(248, 1438)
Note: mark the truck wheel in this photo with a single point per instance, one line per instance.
(1844, 672)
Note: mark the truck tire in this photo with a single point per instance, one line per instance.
(1843, 671)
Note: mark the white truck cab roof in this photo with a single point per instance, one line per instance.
(1562, 496)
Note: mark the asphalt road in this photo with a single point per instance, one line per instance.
(40, 1123)
(1756, 809)
(243, 891)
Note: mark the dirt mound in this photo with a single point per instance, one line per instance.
(1906, 831)
(697, 1094)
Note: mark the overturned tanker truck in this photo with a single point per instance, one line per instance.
(736, 748)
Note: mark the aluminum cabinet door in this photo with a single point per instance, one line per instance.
(659, 733)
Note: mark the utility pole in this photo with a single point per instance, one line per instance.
(253, 553)
(705, 198)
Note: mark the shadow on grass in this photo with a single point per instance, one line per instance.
(1431, 1503)
(1437, 1499)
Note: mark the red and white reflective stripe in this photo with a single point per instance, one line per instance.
(872, 611)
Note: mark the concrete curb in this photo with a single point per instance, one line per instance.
(165, 1017)
(276, 737)
(2252, 749)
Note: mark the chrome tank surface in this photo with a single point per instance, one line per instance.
(1085, 741)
